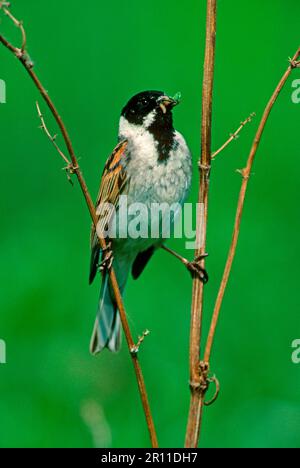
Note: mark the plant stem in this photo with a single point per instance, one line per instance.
(27, 64)
(197, 373)
(246, 173)
(232, 137)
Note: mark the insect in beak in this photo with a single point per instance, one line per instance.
(166, 102)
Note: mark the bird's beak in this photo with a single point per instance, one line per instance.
(166, 102)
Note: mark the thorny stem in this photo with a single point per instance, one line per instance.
(51, 138)
(200, 369)
(198, 375)
(141, 340)
(233, 136)
(74, 168)
(19, 24)
(246, 172)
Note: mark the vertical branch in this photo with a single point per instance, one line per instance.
(198, 373)
(74, 168)
(246, 173)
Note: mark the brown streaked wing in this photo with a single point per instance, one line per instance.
(112, 184)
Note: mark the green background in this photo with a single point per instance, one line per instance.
(92, 57)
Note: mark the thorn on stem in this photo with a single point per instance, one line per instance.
(294, 63)
(243, 173)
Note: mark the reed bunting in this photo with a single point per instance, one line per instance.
(150, 164)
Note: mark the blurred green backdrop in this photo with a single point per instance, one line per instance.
(92, 59)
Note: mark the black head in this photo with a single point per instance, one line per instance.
(154, 105)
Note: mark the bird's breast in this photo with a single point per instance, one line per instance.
(155, 181)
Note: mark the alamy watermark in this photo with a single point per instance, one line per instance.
(296, 93)
(296, 353)
(134, 220)
(2, 92)
(2, 352)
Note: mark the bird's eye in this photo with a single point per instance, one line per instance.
(144, 102)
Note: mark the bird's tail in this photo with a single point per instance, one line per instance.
(107, 328)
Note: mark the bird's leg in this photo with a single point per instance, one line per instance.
(193, 267)
(107, 259)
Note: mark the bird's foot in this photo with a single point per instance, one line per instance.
(196, 270)
(194, 267)
(107, 259)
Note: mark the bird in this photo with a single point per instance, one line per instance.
(150, 164)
